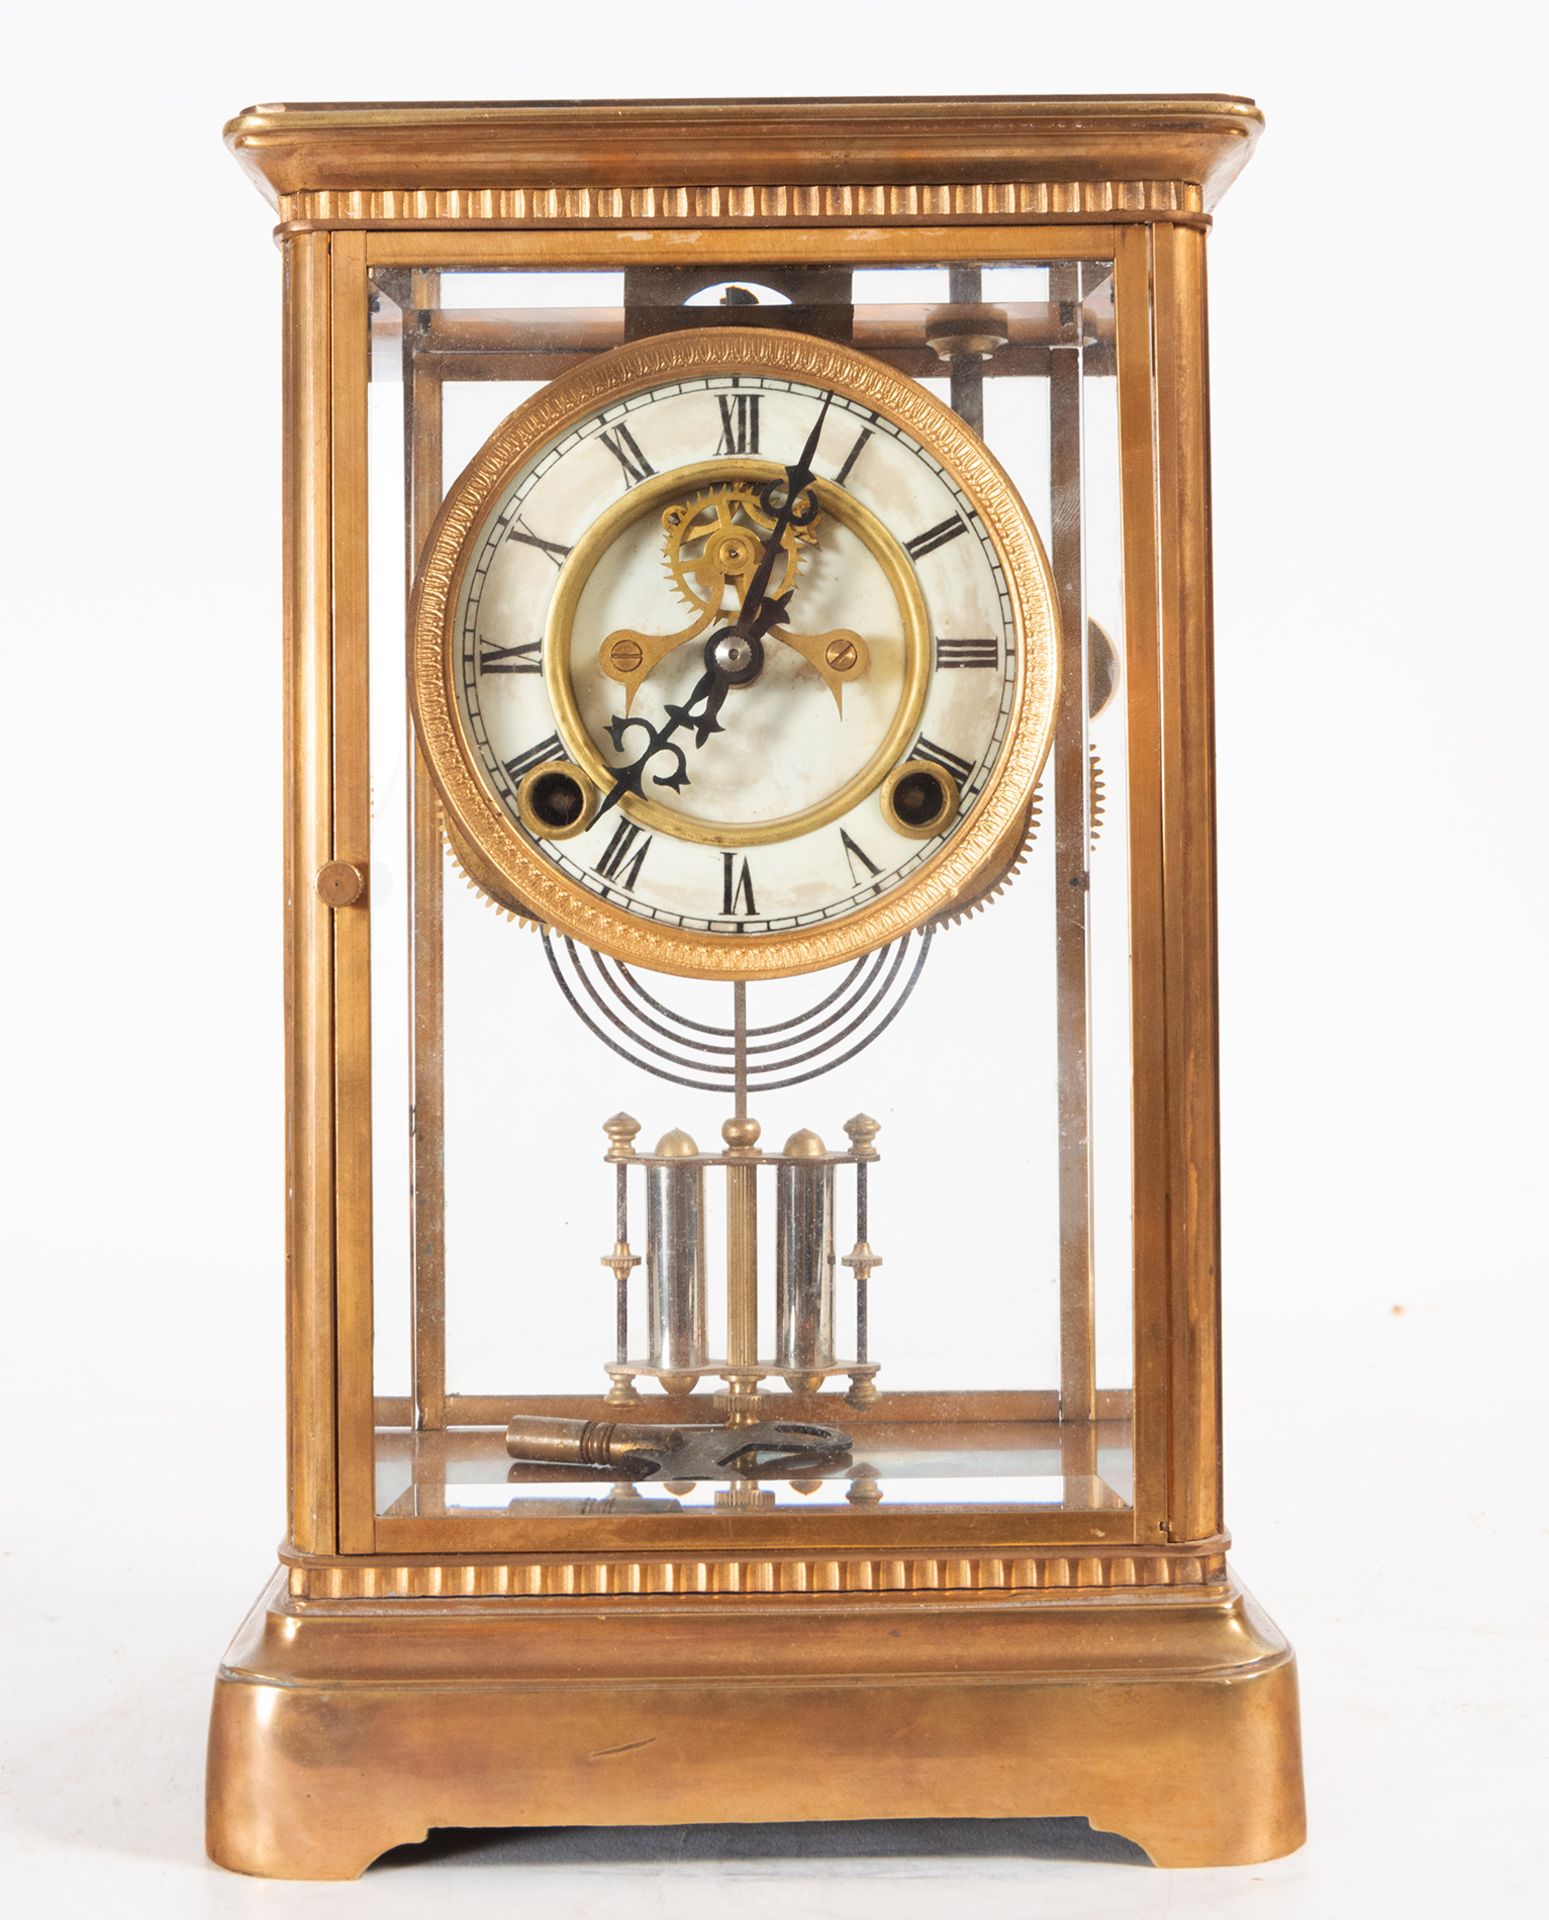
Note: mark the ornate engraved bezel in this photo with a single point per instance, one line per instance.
(502, 860)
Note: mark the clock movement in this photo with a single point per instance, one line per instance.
(747, 661)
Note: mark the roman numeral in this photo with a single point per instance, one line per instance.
(965, 653)
(857, 857)
(625, 448)
(524, 763)
(933, 537)
(739, 422)
(557, 553)
(621, 858)
(852, 456)
(522, 658)
(736, 887)
(952, 763)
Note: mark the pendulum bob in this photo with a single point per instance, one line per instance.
(676, 1293)
(804, 1262)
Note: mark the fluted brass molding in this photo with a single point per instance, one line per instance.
(500, 1579)
(747, 205)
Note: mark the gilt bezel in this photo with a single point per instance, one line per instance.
(506, 863)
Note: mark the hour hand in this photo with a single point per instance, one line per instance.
(698, 711)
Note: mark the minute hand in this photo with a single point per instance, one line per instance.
(797, 478)
(710, 690)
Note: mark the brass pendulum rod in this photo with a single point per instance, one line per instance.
(739, 1001)
(741, 1137)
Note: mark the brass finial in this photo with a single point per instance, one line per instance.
(804, 1144)
(741, 1136)
(621, 1131)
(676, 1145)
(863, 1131)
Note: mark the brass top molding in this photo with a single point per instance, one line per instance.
(1199, 144)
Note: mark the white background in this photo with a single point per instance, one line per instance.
(1377, 387)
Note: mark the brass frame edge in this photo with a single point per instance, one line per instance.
(308, 681)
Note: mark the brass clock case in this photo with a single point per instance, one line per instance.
(501, 858)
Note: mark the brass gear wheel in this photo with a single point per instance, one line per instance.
(715, 538)
(1023, 837)
(508, 909)
(1097, 798)
(1009, 859)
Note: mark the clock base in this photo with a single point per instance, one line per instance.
(341, 1729)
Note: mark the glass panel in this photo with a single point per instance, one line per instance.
(987, 1361)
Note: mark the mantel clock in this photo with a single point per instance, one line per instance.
(747, 655)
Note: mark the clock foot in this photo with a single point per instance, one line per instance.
(346, 1726)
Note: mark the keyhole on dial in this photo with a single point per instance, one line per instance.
(555, 797)
(920, 800)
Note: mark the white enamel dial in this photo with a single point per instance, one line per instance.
(877, 713)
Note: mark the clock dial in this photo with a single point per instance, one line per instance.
(723, 705)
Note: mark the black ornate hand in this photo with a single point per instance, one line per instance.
(699, 711)
(797, 479)
(732, 656)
